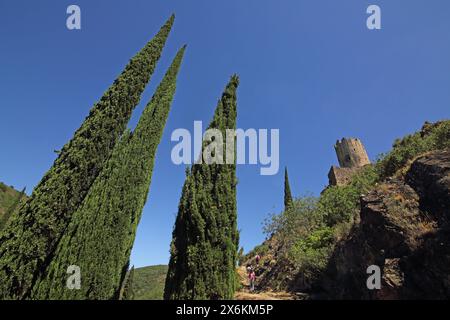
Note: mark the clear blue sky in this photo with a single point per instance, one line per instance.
(310, 68)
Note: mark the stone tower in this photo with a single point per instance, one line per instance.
(351, 153)
(352, 156)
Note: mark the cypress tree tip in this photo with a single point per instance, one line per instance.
(234, 80)
(181, 50)
(169, 22)
(166, 27)
(171, 19)
(288, 201)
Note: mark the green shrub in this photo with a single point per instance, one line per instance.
(432, 137)
(310, 254)
(365, 179)
(338, 204)
(298, 221)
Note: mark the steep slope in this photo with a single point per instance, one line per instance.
(404, 229)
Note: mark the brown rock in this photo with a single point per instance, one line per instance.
(404, 230)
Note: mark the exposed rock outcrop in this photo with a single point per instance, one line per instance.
(404, 229)
(430, 177)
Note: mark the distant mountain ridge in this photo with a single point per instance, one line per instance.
(148, 282)
(8, 195)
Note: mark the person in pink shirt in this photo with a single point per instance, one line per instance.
(252, 278)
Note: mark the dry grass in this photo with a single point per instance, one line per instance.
(401, 173)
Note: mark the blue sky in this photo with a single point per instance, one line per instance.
(309, 68)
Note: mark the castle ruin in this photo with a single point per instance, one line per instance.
(352, 156)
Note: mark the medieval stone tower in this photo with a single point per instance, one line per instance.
(351, 153)
(352, 156)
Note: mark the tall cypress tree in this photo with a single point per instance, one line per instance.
(29, 240)
(102, 231)
(288, 202)
(205, 237)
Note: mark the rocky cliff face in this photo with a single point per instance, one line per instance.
(404, 229)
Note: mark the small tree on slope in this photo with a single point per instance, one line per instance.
(288, 202)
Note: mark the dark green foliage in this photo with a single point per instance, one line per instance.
(287, 191)
(11, 209)
(101, 234)
(29, 240)
(205, 237)
(128, 291)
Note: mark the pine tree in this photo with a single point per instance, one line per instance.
(12, 209)
(288, 202)
(100, 237)
(128, 292)
(29, 240)
(205, 237)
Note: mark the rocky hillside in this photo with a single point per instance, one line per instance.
(393, 214)
(404, 229)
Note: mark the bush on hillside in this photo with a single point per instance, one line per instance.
(298, 221)
(340, 204)
(432, 137)
(310, 254)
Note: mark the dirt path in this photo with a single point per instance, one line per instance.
(245, 294)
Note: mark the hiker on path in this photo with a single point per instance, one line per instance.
(252, 278)
(257, 258)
